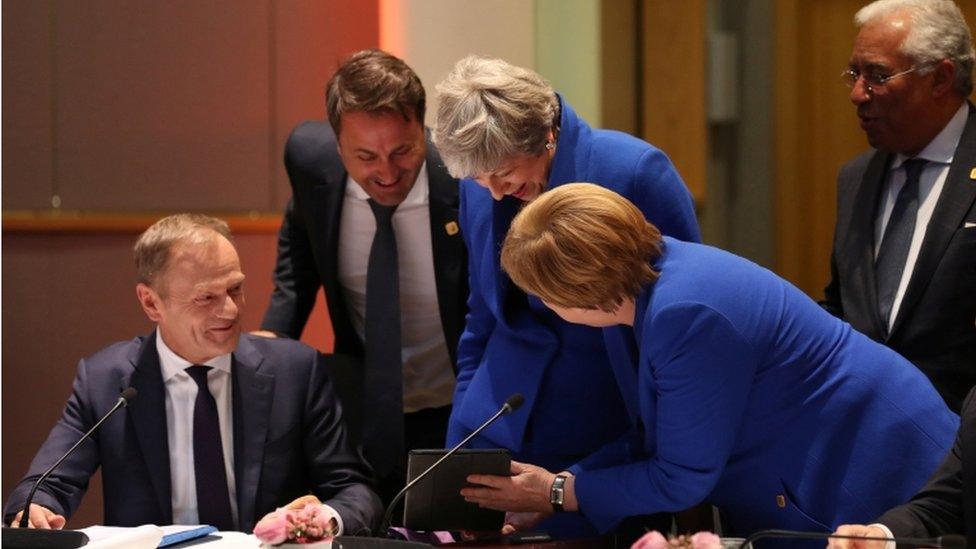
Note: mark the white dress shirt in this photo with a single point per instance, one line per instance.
(181, 394)
(428, 377)
(939, 153)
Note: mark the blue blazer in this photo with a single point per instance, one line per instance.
(514, 345)
(752, 397)
(289, 438)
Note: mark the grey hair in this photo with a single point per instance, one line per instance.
(154, 247)
(490, 110)
(938, 31)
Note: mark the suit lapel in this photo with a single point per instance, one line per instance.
(148, 416)
(448, 248)
(861, 246)
(252, 398)
(958, 195)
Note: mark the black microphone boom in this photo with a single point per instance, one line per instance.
(948, 541)
(14, 538)
(512, 403)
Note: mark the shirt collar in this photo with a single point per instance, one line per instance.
(418, 195)
(172, 364)
(942, 149)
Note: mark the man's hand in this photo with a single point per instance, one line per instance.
(527, 490)
(40, 517)
(263, 333)
(858, 530)
(301, 502)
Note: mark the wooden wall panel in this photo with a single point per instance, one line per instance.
(311, 38)
(169, 98)
(673, 89)
(27, 108)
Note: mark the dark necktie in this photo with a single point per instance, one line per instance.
(213, 497)
(383, 438)
(893, 253)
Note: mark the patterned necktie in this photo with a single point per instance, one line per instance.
(383, 438)
(893, 253)
(213, 497)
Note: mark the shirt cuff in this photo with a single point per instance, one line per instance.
(338, 518)
(887, 534)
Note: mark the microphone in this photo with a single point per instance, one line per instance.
(124, 399)
(953, 541)
(511, 404)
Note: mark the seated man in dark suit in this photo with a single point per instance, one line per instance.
(945, 505)
(225, 428)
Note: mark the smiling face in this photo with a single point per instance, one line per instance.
(524, 177)
(196, 301)
(383, 152)
(896, 116)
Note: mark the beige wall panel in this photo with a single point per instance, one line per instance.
(311, 39)
(432, 35)
(163, 105)
(673, 92)
(27, 110)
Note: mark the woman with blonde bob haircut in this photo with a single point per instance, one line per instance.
(513, 138)
(745, 393)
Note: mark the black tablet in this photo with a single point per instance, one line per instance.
(435, 503)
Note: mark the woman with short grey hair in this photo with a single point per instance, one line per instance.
(510, 137)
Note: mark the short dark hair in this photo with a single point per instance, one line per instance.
(374, 81)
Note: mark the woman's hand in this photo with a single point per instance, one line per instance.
(527, 490)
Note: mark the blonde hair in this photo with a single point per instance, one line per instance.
(154, 247)
(490, 110)
(581, 246)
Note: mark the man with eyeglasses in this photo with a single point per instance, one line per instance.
(904, 258)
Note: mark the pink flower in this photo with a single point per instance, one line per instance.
(705, 540)
(651, 540)
(274, 527)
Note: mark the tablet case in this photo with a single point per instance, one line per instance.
(435, 503)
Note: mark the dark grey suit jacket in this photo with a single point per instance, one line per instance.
(947, 503)
(289, 438)
(934, 328)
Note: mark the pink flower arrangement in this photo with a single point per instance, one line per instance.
(701, 540)
(309, 524)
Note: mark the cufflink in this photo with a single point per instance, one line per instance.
(972, 174)
(452, 228)
(780, 501)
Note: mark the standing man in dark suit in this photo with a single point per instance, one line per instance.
(945, 505)
(373, 220)
(224, 428)
(904, 258)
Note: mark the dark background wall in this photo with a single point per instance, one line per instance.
(116, 113)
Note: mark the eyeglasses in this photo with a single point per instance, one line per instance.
(876, 80)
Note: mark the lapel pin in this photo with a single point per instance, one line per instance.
(452, 227)
(972, 174)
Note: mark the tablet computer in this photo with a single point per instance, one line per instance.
(435, 503)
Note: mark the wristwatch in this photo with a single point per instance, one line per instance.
(557, 492)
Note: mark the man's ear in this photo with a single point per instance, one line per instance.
(149, 300)
(943, 77)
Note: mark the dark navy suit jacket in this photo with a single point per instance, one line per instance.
(289, 438)
(752, 397)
